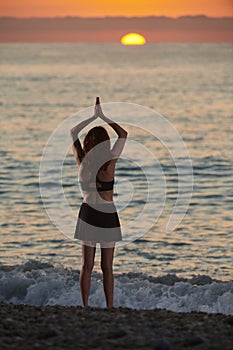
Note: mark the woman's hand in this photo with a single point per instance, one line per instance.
(99, 113)
(98, 110)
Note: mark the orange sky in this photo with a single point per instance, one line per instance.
(100, 8)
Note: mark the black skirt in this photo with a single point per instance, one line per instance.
(98, 222)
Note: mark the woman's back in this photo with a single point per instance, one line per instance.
(97, 187)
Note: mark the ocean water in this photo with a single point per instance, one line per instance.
(191, 85)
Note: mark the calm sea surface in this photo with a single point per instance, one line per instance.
(189, 84)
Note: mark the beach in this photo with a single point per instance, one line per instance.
(61, 327)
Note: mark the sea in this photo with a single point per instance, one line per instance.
(185, 88)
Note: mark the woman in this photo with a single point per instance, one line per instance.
(98, 219)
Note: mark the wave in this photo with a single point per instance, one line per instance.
(41, 283)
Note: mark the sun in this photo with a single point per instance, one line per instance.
(133, 39)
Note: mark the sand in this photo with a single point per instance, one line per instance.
(61, 327)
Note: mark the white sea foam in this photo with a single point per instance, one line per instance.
(38, 283)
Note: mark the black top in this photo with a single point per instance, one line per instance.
(100, 185)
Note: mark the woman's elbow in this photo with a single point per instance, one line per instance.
(124, 134)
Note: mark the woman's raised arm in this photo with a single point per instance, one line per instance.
(122, 133)
(77, 147)
(77, 128)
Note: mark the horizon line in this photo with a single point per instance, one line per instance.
(121, 16)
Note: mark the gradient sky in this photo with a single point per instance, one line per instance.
(100, 8)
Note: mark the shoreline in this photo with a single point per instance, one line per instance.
(71, 327)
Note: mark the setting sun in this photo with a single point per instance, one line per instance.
(133, 39)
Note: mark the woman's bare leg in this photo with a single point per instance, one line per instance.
(108, 279)
(88, 257)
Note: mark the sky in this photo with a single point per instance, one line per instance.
(101, 8)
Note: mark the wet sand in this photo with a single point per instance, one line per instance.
(58, 327)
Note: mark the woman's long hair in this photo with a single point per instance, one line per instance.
(94, 137)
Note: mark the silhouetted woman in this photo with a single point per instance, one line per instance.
(97, 219)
